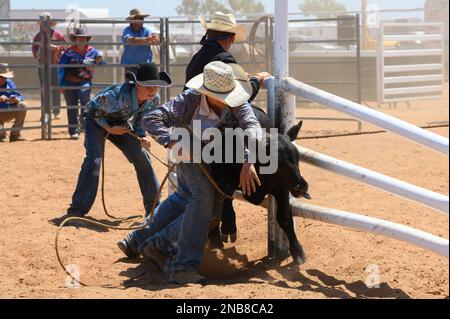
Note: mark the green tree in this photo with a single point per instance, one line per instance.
(203, 7)
(188, 7)
(322, 8)
(246, 6)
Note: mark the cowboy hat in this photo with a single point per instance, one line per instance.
(148, 75)
(80, 32)
(225, 23)
(227, 83)
(136, 14)
(5, 72)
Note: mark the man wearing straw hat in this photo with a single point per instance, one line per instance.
(179, 229)
(137, 40)
(55, 54)
(221, 33)
(12, 102)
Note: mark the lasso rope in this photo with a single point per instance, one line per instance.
(146, 224)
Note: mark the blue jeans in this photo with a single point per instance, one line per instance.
(181, 223)
(87, 185)
(74, 98)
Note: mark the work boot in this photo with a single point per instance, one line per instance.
(129, 247)
(185, 277)
(73, 223)
(16, 138)
(157, 257)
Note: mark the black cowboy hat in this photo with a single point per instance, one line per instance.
(148, 75)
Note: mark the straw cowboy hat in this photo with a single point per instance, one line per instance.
(227, 83)
(48, 15)
(148, 75)
(225, 23)
(5, 72)
(136, 14)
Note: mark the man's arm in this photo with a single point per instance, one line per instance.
(158, 122)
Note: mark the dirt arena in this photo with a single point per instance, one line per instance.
(38, 178)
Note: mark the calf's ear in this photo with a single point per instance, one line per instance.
(294, 131)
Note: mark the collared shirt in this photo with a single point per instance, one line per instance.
(181, 111)
(73, 56)
(9, 85)
(133, 54)
(118, 105)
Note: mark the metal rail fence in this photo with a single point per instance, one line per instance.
(179, 38)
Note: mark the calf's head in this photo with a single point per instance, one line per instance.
(288, 172)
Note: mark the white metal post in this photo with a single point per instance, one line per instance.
(284, 114)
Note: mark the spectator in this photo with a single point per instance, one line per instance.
(81, 53)
(221, 33)
(56, 52)
(137, 40)
(13, 103)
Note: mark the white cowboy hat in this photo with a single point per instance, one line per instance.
(225, 23)
(5, 72)
(227, 83)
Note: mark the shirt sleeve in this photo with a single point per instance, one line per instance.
(127, 33)
(158, 122)
(18, 95)
(248, 121)
(108, 96)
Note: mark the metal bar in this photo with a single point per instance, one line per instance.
(388, 184)
(411, 53)
(413, 79)
(412, 90)
(24, 66)
(162, 54)
(285, 110)
(372, 225)
(13, 110)
(326, 119)
(41, 78)
(413, 67)
(323, 20)
(415, 37)
(389, 123)
(323, 41)
(8, 43)
(48, 76)
(167, 56)
(358, 64)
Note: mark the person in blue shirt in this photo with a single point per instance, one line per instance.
(12, 105)
(116, 114)
(81, 53)
(137, 40)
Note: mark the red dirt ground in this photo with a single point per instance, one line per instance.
(38, 179)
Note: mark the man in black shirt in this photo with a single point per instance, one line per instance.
(221, 33)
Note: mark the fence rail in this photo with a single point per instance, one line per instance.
(423, 196)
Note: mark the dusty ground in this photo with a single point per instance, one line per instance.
(38, 178)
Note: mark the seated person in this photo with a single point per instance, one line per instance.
(12, 105)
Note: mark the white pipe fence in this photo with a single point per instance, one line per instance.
(386, 183)
(383, 182)
(387, 122)
(372, 225)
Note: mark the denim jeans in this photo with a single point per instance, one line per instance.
(87, 185)
(181, 223)
(75, 98)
